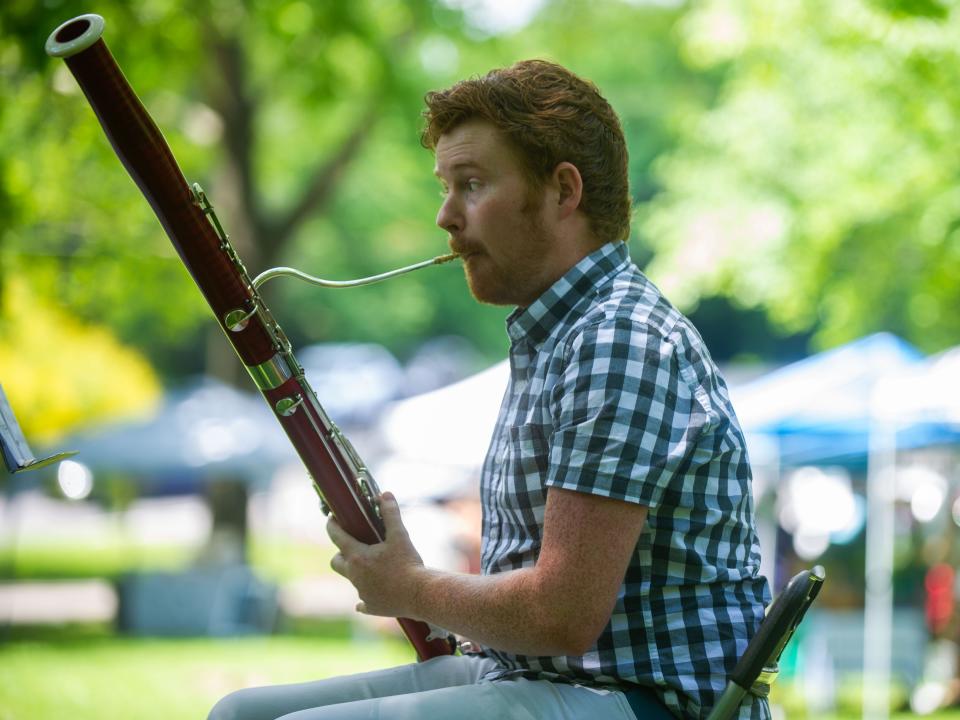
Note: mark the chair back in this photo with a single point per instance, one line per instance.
(759, 665)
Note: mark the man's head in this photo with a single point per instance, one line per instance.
(549, 116)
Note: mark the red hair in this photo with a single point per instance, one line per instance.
(550, 116)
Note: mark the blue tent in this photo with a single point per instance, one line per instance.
(205, 429)
(201, 430)
(819, 410)
(858, 405)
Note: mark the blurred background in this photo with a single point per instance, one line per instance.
(794, 167)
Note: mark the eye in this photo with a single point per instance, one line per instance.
(472, 185)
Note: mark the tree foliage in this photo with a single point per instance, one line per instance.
(301, 120)
(822, 185)
(796, 157)
(266, 104)
(53, 395)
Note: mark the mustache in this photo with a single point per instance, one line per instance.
(461, 248)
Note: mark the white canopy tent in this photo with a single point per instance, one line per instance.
(435, 446)
(818, 409)
(436, 442)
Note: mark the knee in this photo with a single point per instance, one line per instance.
(229, 707)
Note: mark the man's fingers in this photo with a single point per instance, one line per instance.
(339, 564)
(341, 538)
(390, 512)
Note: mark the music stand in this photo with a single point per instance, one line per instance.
(13, 445)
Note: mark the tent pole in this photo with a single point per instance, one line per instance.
(878, 604)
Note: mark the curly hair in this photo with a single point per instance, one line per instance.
(550, 116)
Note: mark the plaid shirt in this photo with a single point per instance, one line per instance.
(612, 392)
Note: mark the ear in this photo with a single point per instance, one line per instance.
(569, 186)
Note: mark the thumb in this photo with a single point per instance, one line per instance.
(390, 512)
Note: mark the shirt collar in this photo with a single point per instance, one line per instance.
(535, 322)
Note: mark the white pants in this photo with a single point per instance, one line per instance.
(444, 688)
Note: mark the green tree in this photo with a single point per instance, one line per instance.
(101, 380)
(822, 184)
(384, 209)
(268, 103)
(301, 120)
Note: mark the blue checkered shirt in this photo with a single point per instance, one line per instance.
(612, 392)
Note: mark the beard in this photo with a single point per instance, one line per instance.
(515, 280)
(518, 278)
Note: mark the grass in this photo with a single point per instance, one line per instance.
(87, 673)
(274, 560)
(73, 561)
(92, 675)
(848, 701)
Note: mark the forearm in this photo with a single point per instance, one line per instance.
(558, 607)
(508, 611)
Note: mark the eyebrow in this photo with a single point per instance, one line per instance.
(466, 164)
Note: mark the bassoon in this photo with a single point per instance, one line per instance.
(344, 484)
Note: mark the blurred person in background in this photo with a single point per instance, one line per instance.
(619, 559)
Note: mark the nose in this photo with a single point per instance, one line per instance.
(449, 217)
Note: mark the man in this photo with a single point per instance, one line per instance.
(620, 563)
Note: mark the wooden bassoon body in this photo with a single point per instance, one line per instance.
(343, 482)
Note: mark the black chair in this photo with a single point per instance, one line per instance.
(758, 667)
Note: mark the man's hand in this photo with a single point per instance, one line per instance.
(557, 607)
(386, 575)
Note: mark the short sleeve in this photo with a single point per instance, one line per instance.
(625, 418)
